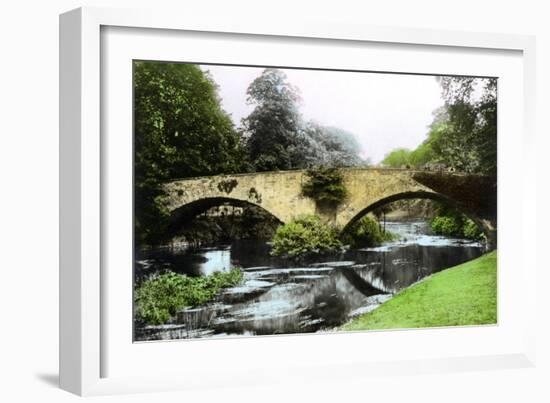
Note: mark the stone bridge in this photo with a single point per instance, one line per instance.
(280, 194)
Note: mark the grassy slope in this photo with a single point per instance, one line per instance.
(463, 295)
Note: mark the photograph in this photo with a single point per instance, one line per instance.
(231, 201)
(273, 200)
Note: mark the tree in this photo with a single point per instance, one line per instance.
(422, 155)
(336, 147)
(463, 134)
(325, 185)
(277, 137)
(316, 145)
(398, 158)
(469, 142)
(271, 129)
(180, 131)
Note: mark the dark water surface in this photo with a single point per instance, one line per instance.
(277, 298)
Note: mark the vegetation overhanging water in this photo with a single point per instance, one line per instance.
(276, 298)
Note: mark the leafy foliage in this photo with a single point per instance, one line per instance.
(325, 185)
(470, 142)
(366, 232)
(277, 137)
(463, 134)
(398, 158)
(157, 299)
(180, 131)
(447, 225)
(228, 185)
(470, 230)
(319, 145)
(304, 235)
(271, 127)
(423, 154)
(449, 222)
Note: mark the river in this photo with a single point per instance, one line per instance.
(277, 298)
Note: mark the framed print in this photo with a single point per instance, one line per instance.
(237, 197)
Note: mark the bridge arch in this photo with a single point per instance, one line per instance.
(280, 193)
(409, 195)
(189, 211)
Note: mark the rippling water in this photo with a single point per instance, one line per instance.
(274, 298)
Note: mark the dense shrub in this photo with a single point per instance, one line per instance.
(456, 226)
(304, 235)
(366, 232)
(470, 230)
(158, 298)
(446, 226)
(325, 185)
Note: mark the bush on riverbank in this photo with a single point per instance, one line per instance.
(448, 221)
(158, 298)
(366, 232)
(456, 226)
(446, 226)
(463, 295)
(471, 231)
(304, 235)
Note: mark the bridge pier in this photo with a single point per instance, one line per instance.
(491, 234)
(491, 241)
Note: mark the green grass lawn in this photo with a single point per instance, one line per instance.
(462, 295)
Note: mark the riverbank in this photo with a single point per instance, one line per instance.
(462, 295)
(279, 297)
(159, 298)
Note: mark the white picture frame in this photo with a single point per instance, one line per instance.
(85, 346)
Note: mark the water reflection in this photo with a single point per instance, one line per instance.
(198, 263)
(274, 298)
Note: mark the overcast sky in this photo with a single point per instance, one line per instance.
(383, 111)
